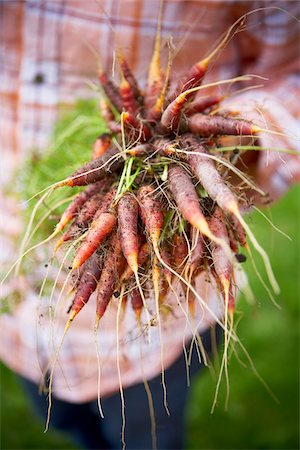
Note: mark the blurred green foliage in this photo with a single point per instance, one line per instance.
(253, 420)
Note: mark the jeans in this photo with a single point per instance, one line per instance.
(83, 423)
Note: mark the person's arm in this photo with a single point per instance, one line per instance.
(269, 47)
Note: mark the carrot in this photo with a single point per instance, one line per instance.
(165, 146)
(101, 227)
(222, 265)
(151, 212)
(171, 116)
(155, 82)
(205, 170)
(202, 103)
(127, 210)
(76, 277)
(197, 249)
(166, 257)
(79, 200)
(108, 115)
(87, 284)
(129, 100)
(94, 170)
(101, 145)
(136, 302)
(197, 72)
(84, 218)
(142, 258)
(128, 75)
(135, 129)
(140, 150)
(205, 126)
(110, 90)
(232, 240)
(113, 266)
(186, 198)
(238, 230)
(179, 251)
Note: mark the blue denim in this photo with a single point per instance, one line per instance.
(83, 423)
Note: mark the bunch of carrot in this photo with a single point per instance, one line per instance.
(157, 205)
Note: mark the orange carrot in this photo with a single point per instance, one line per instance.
(151, 212)
(205, 170)
(74, 207)
(84, 218)
(135, 129)
(101, 227)
(101, 145)
(186, 198)
(87, 283)
(127, 210)
(129, 100)
(136, 302)
(197, 249)
(142, 258)
(113, 266)
(128, 75)
(221, 263)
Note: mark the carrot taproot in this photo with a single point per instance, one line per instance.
(222, 265)
(197, 250)
(171, 115)
(110, 90)
(129, 100)
(88, 283)
(94, 170)
(108, 115)
(202, 103)
(205, 126)
(82, 221)
(197, 72)
(127, 211)
(101, 227)
(101, 145)
(142, 258)
(179, 251)
(206, 172)
(136, 302)
(238, 230)
(186, 198)
(151, 212)
(140, 150)
(113, 266)
(74, 207)
(155, 81)
(128, 75)
(134, 128)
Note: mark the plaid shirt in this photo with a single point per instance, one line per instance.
(44, 60)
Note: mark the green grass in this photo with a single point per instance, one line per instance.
(20, 428)
(253, 420)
